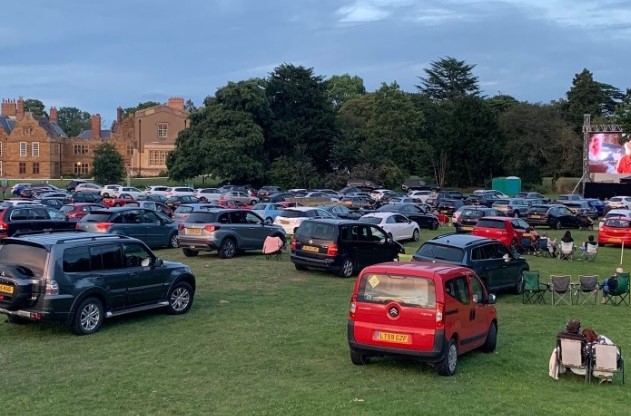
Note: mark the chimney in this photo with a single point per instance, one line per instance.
(176, 103)
(95, 123)
(19, 115)
(119, 114)
(8, 108)
(53, 114)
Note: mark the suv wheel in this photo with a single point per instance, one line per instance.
(491, 339)
(228, 249)
(299, 267)
(358, 358)
(347, 268)
(416, 236)
(173, 243)
(189, 252)
(89, 317)
(447, 367)
(180, 298)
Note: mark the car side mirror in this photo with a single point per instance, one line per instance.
(158, 262)
(506, 257)
(492, 299)
(267, 221)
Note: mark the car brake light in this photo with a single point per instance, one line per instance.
(103, 226)
(211, 228)
(52, 288)
(293, 244)
(440, 313)
(332, 250)
(353, 307)
(3, 226)
(180, 226)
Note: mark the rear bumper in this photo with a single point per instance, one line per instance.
(57, 308)
(436, 354)
(196, 243)
(326, 263)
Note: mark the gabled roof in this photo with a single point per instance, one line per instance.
(52, 128)
(6, 124)
(87, 134)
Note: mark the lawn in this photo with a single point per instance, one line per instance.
(265, 339)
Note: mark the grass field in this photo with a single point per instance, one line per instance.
(265, 339)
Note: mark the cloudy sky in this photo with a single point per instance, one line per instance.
(98, 55)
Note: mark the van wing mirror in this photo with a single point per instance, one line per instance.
(491, 299)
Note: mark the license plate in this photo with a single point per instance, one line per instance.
(535, 216)
(194, 231)
(391, 337)
(6, 289)
(615, 240)
(466, 228)
(525, 235)
(311, 249)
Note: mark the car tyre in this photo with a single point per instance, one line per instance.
(173, 243)
(203, 199)
(416, 236)
(491, 339)
(190, 252)
(106, 195)
(228, 248)
(358, 358)
(180, 298)
(89, 317)
(519, 285)
(447, 366)
(435, 225)
(348, 267)
(299, 267)
(252, 202)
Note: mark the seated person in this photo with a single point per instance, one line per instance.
(572, 331)
(547, 244)
(610, 284)
(592, 338)
(590, 241)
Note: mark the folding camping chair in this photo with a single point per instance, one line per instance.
(526, 246)
(273, 247)
(588, 289)
(620, 295)
(544, 247)
(534, 291)
(606, 360)
(590, 253)
(566, 252)
(561, 286)
(571, 357)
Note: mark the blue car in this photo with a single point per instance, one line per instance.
(267, 210)
(597, 204)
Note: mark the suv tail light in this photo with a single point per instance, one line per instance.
(440, 316)
(180, 226)
(332, 250)
(211, 228)
(353, 307)
(293, 244)
(52, 288)
(103, 227)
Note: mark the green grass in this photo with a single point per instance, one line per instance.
(265, 339)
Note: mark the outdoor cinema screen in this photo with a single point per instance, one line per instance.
(604, 152)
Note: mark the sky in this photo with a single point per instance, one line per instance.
(98, 55)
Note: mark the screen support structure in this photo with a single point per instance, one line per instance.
(588, 129)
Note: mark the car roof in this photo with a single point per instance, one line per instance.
(336, 221)
(50, 239)
(381, 214)
(420, 269)
(458, 240)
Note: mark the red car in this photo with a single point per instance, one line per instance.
(232, 204)
(429, 311)
(615, 231)
(79, 210)
(118, 202)
(509, 231)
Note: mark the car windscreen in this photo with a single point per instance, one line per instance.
(440, 252)
(486, 223)
(31, 257)
(309, 230)
(202, 217)
(388, 208)
(473, 213)
(183, 209)
(97, 217)
(538, 210)
(291, 213)
(66, 208)
(405, 290)
(370, 220)
(259, 207)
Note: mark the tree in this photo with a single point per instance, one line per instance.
(449, 79)
(108, 164)
(341, 88)
(140, 106)
(352, 119)
(34, 106)
(189, 106)
(73, 121)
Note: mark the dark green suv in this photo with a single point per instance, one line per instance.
(82, 278)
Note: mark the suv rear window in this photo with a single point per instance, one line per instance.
(440, 252)
(291, 213)
(370, 220)
(32, 257)
(202, 217)
(97, 217)
(539, 210)
(316, 231)
(476, 213)
(409, 291)
(617, 223)
(491, 223)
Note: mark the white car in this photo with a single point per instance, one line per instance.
(88, 188)
(157, 190)
(109, 190)
(129, 190)
(619, 202)
(398, 226)
(179, 191)
(208, 194)
(291, 218)
(377, 194)
(421, 195)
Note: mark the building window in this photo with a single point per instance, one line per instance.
(22, 168)
(157, 157)
(130, 150)
(28, 131)
(35, 149)
(163, 130)
(22, 149)
(80, 168)
(81, 149)
(36, 168)
(0, 149)
(0, 168)
(55, 149)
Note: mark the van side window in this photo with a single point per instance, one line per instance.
(377, 234)
(458, 289)
(478, 291)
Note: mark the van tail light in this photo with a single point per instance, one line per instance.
(332, 250)
(52, 288)
(211, 228)
(440, 315)
(293, 244)
(353, 307)
(103, 227)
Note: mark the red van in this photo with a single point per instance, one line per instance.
(432, 312)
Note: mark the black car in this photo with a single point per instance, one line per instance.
(418, 213)
(497, 266)
(86, 197)
(436, 199)
(56, 202)
(484, 198)
(341, 211)
(82, 278)
(449, 206)
(552, 215)
(469, 217)
(341, 246)
(24, 219)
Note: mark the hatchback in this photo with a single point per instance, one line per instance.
(469, 217)
(615, 231)
(554, 216)
(430, 312)
(513, 207)
(79, 210)
(341, 246)
(397, 225)
(509, 231)
(291, 218)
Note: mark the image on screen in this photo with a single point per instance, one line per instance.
(604, 153)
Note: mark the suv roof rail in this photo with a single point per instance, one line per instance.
(20, 233)
(94, 238)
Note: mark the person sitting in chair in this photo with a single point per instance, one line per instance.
(610, 284)
(567, 237)
(572, 331)
(590, 241)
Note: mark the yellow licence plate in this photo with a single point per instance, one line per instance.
(390, 337)
(535, 216)
(311, 248)
(466, 228)
(194, 231)
(615, 240)
(6, 289)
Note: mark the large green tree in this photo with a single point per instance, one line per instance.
(73, 121)
(341, 88)
(449, 79)
(34, 106)
(588, 96)
(129, 110)
(108, 164)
